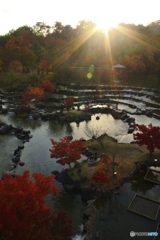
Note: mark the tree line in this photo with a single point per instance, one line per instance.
(70, 52)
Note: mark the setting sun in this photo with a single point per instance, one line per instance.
(106, 20)
(104, 13)
(105, 25)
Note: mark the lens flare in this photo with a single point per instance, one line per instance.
(89, 75)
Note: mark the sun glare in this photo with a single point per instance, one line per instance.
(106, 20)
(105, 25)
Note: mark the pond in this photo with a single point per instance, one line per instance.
(36, 153)
(115, 222)
(112, 218)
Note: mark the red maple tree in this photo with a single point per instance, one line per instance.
(26, 95)
(100, 176)
(149, 136)
(62, 227)
(69, 103)
(47, 86)
(67, 151)
(23, 211)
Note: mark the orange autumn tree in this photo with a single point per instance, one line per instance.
(19, 48)
(45, 65)
(32, 92)
(67, 151)
(23, 211)
(36, 91)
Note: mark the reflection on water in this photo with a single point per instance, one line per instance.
(141, 185)
(106, 124)
(113, 219)
(73, 205)
(25, 123)
(37, 159)
(55, 128)
(142, 119)
(78, 237)
(153, 174)
(115, 222)
(155, 168)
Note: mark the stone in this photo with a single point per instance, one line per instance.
(5, 129)
(16, 159)
(70, 137)
(21, 163)
(21, 146)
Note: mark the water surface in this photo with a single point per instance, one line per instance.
(113, 219)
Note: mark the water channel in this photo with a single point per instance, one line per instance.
(112, 218)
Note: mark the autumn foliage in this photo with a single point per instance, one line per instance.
(47, 86)
(36, 91)
(19, 49)
(62, 227)
(45, 65)
(106, 159)
(23, 208)
(100, 176)
(149, 136)
(44, 48)
(17, 43)
(26, 95)
(23, 211)
(32, 92)
(67, 151)
(69, 103)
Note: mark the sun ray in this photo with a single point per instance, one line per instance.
(104, 26)
(139, 37)
(70, 47)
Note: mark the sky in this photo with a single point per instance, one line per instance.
(17, 13)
